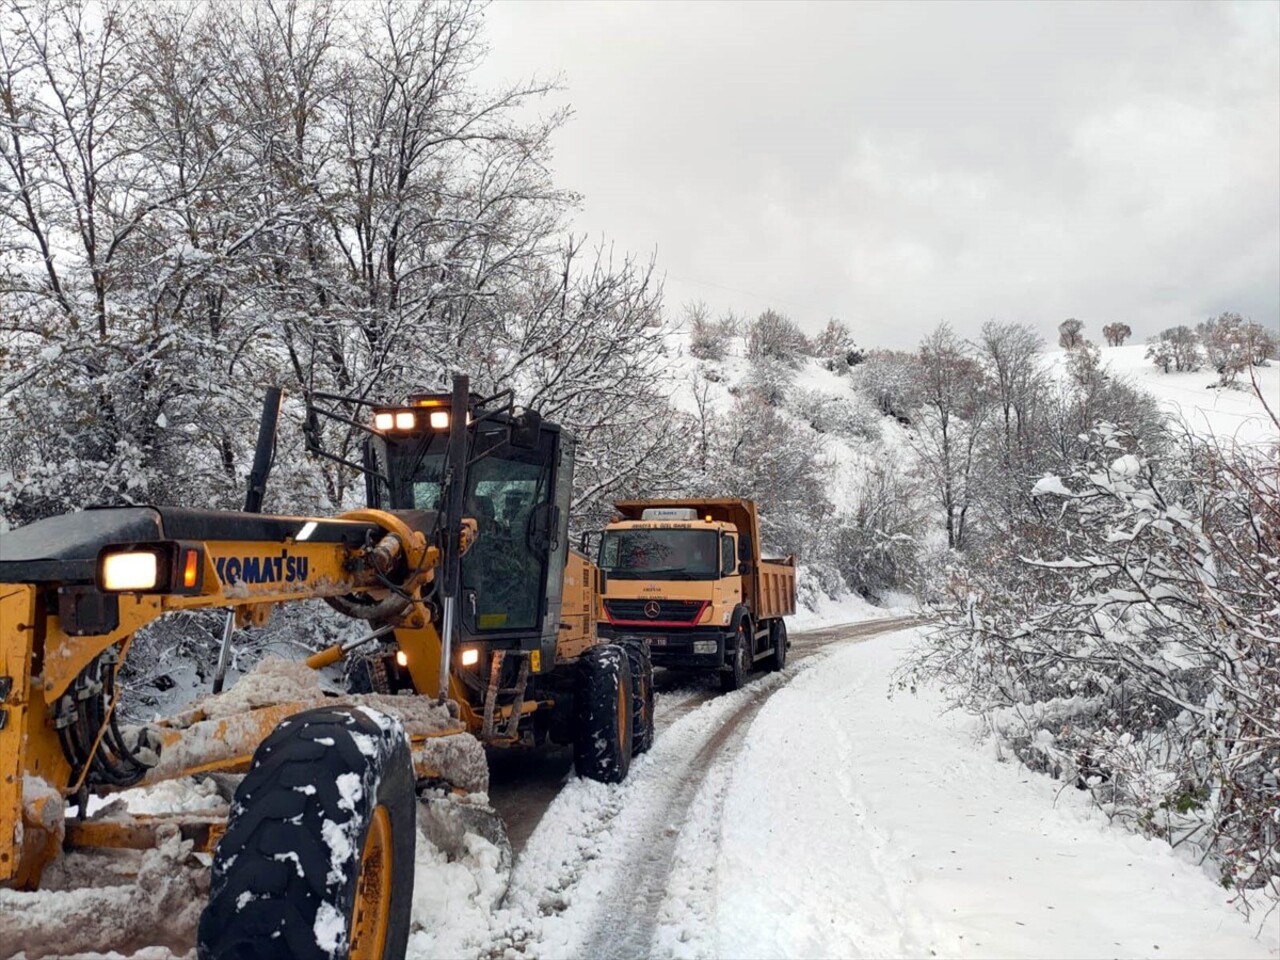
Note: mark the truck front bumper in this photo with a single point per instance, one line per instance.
(698, 648)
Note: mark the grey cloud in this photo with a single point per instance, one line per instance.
(899, 164)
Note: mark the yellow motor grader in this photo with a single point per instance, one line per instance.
(481, 631)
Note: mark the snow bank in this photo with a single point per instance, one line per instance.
(100, 904)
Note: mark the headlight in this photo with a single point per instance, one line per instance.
(161, 566)
(130, 571)
(383, 421)
(439, 419)
(470, 657)
(405, 420)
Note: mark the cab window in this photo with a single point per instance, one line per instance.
(728, 557)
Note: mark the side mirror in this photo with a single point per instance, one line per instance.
(524, 429)
(744, 568)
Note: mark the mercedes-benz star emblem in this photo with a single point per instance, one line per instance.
(652, 609)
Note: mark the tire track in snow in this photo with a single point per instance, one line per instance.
(597, 869)
(629, 912)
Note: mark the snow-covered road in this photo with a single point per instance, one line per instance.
(811, 815)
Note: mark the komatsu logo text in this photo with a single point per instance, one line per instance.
(281, 569)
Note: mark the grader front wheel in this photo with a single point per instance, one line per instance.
(317, 860)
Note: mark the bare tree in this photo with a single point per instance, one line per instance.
(1069, 333)
(1010, 356)
(1116, 334)
(835, 347)
(1263, 344)
(1177, 348)
(956, 408)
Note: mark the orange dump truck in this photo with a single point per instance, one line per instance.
(687, 576)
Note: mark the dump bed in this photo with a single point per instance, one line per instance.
(775, 588)
(769, 585)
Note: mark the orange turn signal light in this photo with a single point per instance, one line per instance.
(191, 569)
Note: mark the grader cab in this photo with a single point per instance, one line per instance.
(480, 633)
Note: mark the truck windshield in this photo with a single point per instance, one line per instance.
(660, 554)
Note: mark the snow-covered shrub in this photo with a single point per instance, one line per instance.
(1130, 646)
(816, 581)
(890, 380)
(1177, 348)
(1227, 345)
(708, 338)
(1264, 345)
(835, 347)
(769, 380)
(775, 337)
(850, 417)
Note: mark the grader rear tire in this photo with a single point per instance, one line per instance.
(603, 730)
(317, 860)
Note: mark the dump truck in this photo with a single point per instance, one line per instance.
(686, 578)
(480, 633)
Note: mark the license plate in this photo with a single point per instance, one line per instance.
(657, 641)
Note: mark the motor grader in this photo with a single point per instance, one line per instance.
(481, 632)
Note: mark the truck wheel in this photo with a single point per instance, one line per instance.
(778, 639)
(603, 735)
(317, 859)
(740, 664)
(641, 696)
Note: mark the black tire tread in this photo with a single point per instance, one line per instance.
(641, 695)
(597, 754)
(271, 817)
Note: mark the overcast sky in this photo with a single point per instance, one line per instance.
(895, 164)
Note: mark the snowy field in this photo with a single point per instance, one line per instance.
(1232, 414)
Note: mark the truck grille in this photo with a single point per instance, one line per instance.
(658, 612)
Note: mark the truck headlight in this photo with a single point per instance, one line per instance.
(705, 646)
(470, 657)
